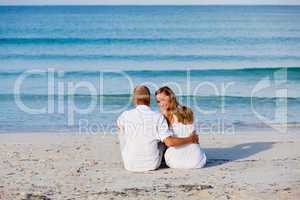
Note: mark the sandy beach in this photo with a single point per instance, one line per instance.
(64, 166)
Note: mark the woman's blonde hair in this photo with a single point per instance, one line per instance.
(183, 113)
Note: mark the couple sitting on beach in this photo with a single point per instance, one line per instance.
(145, 134)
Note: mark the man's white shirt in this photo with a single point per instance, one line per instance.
(141, 129)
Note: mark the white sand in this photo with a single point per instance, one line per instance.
(61, 166)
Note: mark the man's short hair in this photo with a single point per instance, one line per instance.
(141, 95)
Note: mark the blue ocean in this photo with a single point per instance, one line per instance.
(72, 68)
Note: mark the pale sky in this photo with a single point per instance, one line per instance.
(149, 2)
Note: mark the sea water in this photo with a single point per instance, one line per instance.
(73, 68)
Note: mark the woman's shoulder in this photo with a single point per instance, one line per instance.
(184, 127)
(191, 125)
(183, 124)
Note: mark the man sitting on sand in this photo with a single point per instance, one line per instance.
(140, 132)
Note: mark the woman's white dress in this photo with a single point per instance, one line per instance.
(185, 156)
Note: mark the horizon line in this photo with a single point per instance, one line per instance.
(149, 4)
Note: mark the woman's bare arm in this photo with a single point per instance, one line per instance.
(173, 141)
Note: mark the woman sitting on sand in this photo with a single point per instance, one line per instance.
(181, 121)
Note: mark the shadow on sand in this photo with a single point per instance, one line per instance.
(219, 156)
